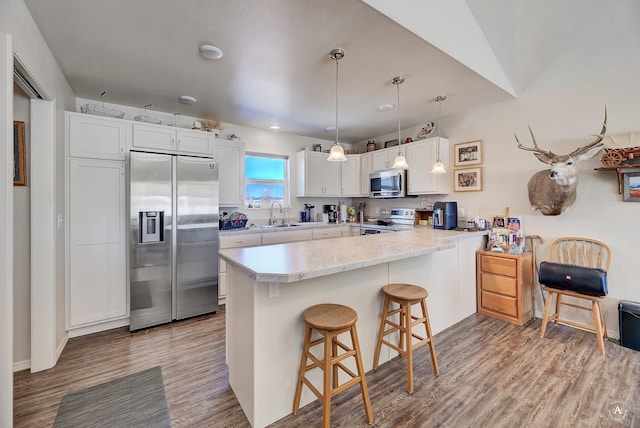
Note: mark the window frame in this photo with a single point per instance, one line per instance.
(286, 182)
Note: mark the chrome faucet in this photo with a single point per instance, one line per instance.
(272, 218)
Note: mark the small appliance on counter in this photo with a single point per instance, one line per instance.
(309, 213)
(445, 215)
(332, 212)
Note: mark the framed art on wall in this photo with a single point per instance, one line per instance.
(631, 185)
(19, 157)
(467, 179)
(468, 153)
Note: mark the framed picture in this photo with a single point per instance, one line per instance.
(468, 153)
(19, 157)
(631, 185)
(390, 143)
(467, 179)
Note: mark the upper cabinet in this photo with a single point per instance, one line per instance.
(421, 155)
(350, 175)
(383, 159)
(365, 170)
(231, 177)
(96, 137)
(316, 176)
(149, 136)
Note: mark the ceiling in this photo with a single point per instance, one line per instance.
(276, 67)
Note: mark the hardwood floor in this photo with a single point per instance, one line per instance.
(492, 374)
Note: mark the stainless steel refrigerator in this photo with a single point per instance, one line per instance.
(173, 237)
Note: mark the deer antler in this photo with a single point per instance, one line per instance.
(595, 142)
(535, 147)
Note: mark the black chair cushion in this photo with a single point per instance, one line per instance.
(579, 279)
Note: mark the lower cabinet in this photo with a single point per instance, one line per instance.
(97, 279)
(505, 286)
(230, 241)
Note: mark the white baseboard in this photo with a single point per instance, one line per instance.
(82, 331)
(21, 365)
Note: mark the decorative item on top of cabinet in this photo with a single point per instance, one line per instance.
(505, 286)
(552, 191)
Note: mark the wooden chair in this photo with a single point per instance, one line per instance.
(583, 252)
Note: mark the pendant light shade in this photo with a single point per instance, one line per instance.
(336, 154)
(438, 167)
(400, 161)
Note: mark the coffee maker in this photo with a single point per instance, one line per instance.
(445, 215)
(332, 212)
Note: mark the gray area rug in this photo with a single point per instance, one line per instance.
(136, 400)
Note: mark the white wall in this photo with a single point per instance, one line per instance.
(30, 47)
(22, 246)
(562, 119)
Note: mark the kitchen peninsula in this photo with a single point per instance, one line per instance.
(270, 287)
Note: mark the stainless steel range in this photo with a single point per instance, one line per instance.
(391, 220)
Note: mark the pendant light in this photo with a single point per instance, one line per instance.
(336, 154)
(400, 161)
(438, 167)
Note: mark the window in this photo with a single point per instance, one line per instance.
(266, 180)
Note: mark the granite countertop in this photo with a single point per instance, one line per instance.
(297, 261)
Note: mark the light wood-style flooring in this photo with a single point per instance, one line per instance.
(492, 374)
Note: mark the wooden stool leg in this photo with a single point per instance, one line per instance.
(545, 317)
(595, 309)
(409, 345)
(301, 372)
(334, 354)
(326, 389)
(363, 380)
(432, 346)
(403, 327)
(383, 319)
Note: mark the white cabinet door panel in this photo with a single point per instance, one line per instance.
(154, 136)
(97, 137)
(97, 242)
(196, 142)
(282, 237)
(231, 177)
(351, 176)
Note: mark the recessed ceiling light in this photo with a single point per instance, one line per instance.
(187, 99)
(330, 129)
(386, 107)
(275, 127)
(211, 52)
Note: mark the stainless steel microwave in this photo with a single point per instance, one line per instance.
(388, 183)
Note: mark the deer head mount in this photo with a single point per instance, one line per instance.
(552, 191)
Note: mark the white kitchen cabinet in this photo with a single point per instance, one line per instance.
(365, 170)
(324, 233)
(237, 241)
(160, 137)
(288, 236)
(97, 242)
(316, 176)
(350, 176)
(97, 137)
(231, 175)
(421, 155)
(383, 159)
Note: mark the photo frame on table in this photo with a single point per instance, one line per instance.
(390, 143)
(631, 185)
(468, 153)
(467, 179)
(19, 156)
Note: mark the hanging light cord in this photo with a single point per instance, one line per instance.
(399, 139)
(439, 99)
(337, 57)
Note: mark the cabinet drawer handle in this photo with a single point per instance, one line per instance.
(122, 152)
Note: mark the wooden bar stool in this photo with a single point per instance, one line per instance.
(405, 295)
(330, 321)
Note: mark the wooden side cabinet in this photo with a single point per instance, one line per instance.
(505, 286)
